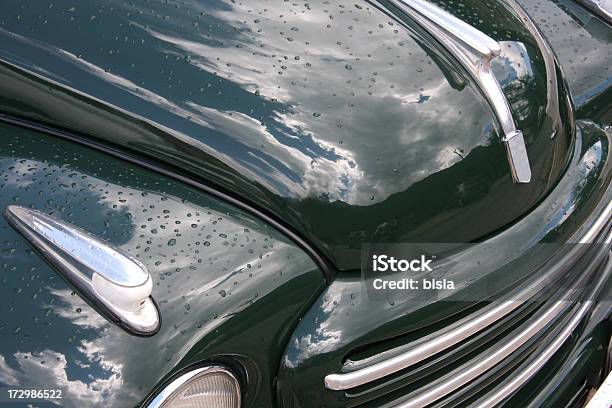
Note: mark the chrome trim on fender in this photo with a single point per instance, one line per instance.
(117, 284)
(475, 50)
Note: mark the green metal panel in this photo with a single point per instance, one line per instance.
(583, 45)
(347, 122)
(345, 320)
(230, 288)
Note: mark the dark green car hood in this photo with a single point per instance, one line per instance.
(344, 120)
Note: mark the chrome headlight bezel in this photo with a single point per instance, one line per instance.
(170, 390)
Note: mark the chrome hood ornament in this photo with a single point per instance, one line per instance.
(118, 285)
(475, 50)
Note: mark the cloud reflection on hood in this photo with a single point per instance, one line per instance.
(353, 99)
(332, 102)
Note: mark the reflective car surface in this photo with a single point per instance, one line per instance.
(242, 158)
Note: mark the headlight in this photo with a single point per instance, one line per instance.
(206, 387)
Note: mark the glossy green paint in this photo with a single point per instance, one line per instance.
(345, 320)
(230, 289)
(367, 132)
(583, 45)
(347, 122)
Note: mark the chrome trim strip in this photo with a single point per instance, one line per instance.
(371, 373)
(519, 379)
(175, 173)
(448, 338)
(472, 38)
(94, 255)
(464, 375)
(470, 371)
(116, 283)
(552, 85)
(602, 8)
(475, 50)
(525, 375)
(176, 384)
(600, 223)
(466, 327)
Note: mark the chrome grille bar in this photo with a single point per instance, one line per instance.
(466, 327)
(528, 372)
(463, 329)
(472, 370)
(469, 372)
(449, 336)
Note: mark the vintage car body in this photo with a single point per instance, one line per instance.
(244, 153)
